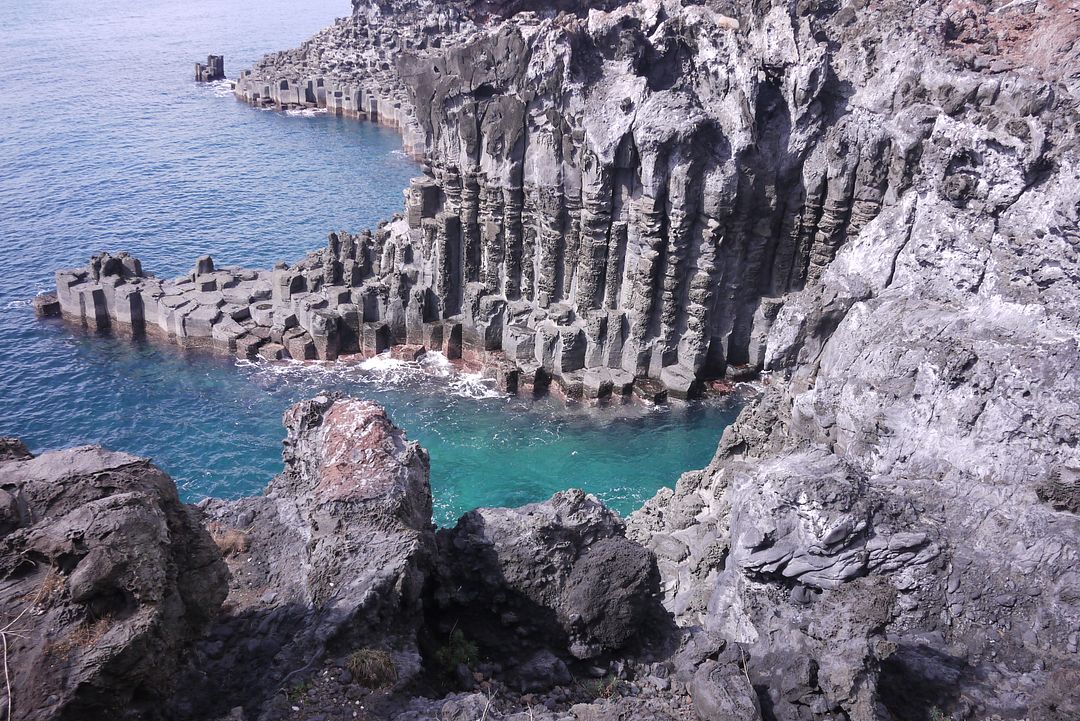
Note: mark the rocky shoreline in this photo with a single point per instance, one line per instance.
(330, 596)
(872, 202)
(293, 313)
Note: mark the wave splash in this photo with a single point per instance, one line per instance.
(384, 372)
(305, 112)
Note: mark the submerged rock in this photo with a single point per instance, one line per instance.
(107, 581)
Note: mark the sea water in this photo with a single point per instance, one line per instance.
(106, 143)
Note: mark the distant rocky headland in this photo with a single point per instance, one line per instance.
(872, 203)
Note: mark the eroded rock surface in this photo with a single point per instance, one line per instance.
(635, 185)
(106, 580)
(872, 203)
(558, 575)
(332, 558)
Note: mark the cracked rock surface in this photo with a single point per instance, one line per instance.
(101, 569)
(871, 204)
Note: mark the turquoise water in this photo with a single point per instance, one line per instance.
(107, 144)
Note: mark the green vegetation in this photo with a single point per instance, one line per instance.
(604, 688)
(456, 651)
(297, 690)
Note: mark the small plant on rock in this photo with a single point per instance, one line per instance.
(297, 690)
(458, 650)
(604, 688)
(52, 587)
(372, 668)
(83, 636)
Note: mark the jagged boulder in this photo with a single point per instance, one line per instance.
(558, 576)
(331, 559)
(106, 579)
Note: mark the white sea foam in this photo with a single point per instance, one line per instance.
(436, 364)
(383, 371)
(306, 112)
(382, 363)
(222, 88)
(473, 385)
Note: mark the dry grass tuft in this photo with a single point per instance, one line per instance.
(51, 587)
(230, 541)
(82, 637)
(372, 668)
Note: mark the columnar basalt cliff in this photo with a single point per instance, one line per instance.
(872, 203)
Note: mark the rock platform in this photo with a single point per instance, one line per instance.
(337, 303)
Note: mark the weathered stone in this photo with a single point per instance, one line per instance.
(593, 592)
(262, 313)
(597, 383)
(46, 305)
(272, 351)
(680, 382)
(344, 537)
(123, 580)
(299, 344)
(214, 69)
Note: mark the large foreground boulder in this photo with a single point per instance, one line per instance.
(332, 559)
(105, 580)
(558, 576)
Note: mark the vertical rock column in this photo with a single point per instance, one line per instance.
(513, 204)
(492, 237)
(470, 229)
(648, 216)
(449, 281)
(595, 225)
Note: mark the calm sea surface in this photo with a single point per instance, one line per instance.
(107, 144)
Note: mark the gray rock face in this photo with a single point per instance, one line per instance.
(631, 162)
(555, 575)
(342, 543)
(107, 580)
(214, 69)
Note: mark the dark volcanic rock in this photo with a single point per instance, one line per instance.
(107, 579)
(332, 558)
(13, 449)
(558, 575)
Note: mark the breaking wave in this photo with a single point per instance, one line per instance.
(431, 372)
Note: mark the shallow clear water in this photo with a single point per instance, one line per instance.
(107, 144)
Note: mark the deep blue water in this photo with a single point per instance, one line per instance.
(107, 144)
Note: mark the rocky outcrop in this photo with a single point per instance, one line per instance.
(555, 576)
(115, 587)
(866, 202)
(636, 186)
(331, 559)
(107, 581)
(214, 69)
